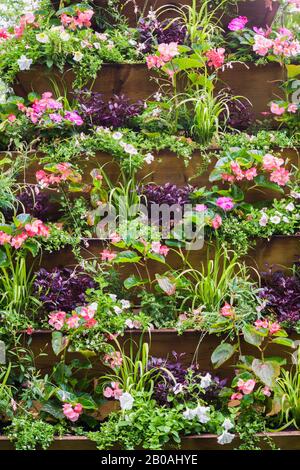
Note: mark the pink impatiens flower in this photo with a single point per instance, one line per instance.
(168, 51)
(246, 387)
(216, 57)
(73, 321)
(262, 45)
(216, 222)
(227, 310)
(4, 238)
(280, 176)
(107, 255)
(292, 108)
(72, 412)
(18, 240)
(200, 208)
(114, 391)
(266, 391)
(226, 203)
(238, 23)
(276, 109)
(57, 319)
(271, 163)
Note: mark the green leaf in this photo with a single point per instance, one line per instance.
(267, 372)
(3, 258)
(32, 246)
(133, 281)
(59, 342)
(251, 335)
(127, 257)
(156, 257)
(284, 342)
(222, 353)
(166, 284)
(261, 181)
(53, 410)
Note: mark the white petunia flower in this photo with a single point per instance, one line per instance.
(118, 310)
(113, 297)
(117, 135)
(42, 38)
(24, 63)
(125, 303)
(126, 401)
(64, 36)
(227, 424)
(205, 381)
(189, 414)
(149, 158)
(77, 56)
(202, 412)
(275, 219)
(290, 207)
(225, 438)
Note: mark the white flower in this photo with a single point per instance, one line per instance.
(118, 310)
(225, 438)
(157, 96)
(96, 45)
(102, 36)
(177, 389)
(263, 220)
(290, 207)
(275, 219)
(202, 413)
(117, 135)
(126, 401)
(149, 158)
(130, 149)
(24, 63)
(129, 323)
(205, 381)
(125, 303)
(77, 56)
(113, 297)
(65, 36)
(227, 424)
(42, 37)
(295, 195)
(189, 414)
(286, 219)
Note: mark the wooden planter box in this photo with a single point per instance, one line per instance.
(196, 347)
(258, 83)
(257, 12)
(281, 252)
(286, 440)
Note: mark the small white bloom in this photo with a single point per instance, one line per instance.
(65, 36)
(125, 304)
(178, 388)
(132, 42)
(78, 56)
(202, 412)
(290, 207)
(24, 63)
(96, 45)
(126, 401)
(149, 158)
(189, 414)
(130, 149)
(43, 38)
(118, 310)
(129, 323)
(295, 195)
(113, 297)
(225, 438)
(117, 135)
(275, 219)
(102, 36)
(263, 220)
(227, 424)
(205, 381)
(157, 96)
(286, 220)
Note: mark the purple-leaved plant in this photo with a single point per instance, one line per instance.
(62, 289)
(153, 31)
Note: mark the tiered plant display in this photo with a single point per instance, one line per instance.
(150, 226)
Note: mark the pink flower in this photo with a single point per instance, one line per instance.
(236, 169)
(226, 203)
(72, 413)
(238, 23)
(250, 173)
(168, 51)
(280, 176)
(84, 17)
(114, 359)
(37, 228)
(87, 313)
(115, 237)
(73, 321)
(164, 250)
(227, 310)
(155, 247)
(4, 238)
(29, 330)
(200, 208)
(55, 117)
(292, 108)
(153, 61)
(271, 163)
(276, 109)
(12, 118)
(227, 177)
(216, 222)
(236, 396)
(18, 240)
(261, 324)
(57, 319)
(274, 327)
(246, 387)
(216, 57)
(114, 391)
(266, 391)
(107, 255)
(72, 116)
(262, 45)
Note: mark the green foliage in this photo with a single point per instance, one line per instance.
(29, 434)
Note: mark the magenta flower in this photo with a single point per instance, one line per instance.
(72, 116)
(226, 203)
(238, 23)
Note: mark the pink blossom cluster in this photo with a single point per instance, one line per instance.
(82, 316)
(295, 4)
(35, 228)
(159, 249)
(227, 310)
(273, 327)
(63, 172)
(279, 109)
(225, 203)
(166, 54)
(18, 31)
(236, 24)
(48, 107)
(284, 43)
(114, 391)
(114, 359)
(80, 20)
(216, 57)
(72, 412)
(271, 164)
